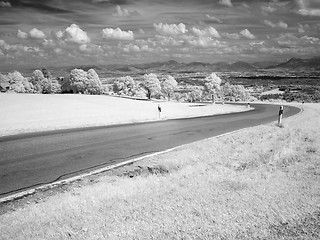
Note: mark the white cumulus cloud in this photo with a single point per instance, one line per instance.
(213, 18)
(36, 33)
(246, 33)
(117, 34)
(309, 7)
(22, 35)
(171, 29)
(226, 3)
(280, 24)
(122, 12)
(210, 31)
(75, 34)
(231, 35)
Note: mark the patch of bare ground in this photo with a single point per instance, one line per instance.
(260, 183)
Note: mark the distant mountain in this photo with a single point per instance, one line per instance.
(242, 66)
(301, 64)
(265, 64)
(174, 66)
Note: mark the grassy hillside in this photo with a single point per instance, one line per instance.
(260, 183)
(39, 112)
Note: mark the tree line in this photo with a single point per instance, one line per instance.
(148, 86)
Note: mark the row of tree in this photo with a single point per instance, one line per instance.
(41, 81)
(88, 82)
(151, 86)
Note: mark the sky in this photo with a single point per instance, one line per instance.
(98, 32)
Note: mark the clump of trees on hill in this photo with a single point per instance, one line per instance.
(84, 82)
(167, 88)
(42, 82)
(148, 86)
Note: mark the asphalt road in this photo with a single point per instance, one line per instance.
(34, 159)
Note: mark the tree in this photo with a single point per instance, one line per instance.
(37, 80)
(4, 83)
(55, 86)
(94, 85)
(77, 81)
(235, 92)
(125, 85)
(169, 85)
(212, 85)
(152, 84)
(84, 82)
(18, 83)
(195, 94)
(46, 73)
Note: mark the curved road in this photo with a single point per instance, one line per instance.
(34, 159)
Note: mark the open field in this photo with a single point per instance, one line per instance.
(260, 183)
(35, 112)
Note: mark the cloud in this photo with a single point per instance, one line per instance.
(17, 48)
(213, 18)
(22, 35)
(226, 3)
(257, 43)
(36, 33)
(309, 7)
(280, 24)
(268, 9)
(5, 4)
(246, 33)
(170, 29)
(169, 41)
(117, 34)
(231, 35)
(289, 40)
(122, 12)
(73, 34)
(209, 31)
(205, 42)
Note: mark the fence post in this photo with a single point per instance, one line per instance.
(280, 115)
(159, 111)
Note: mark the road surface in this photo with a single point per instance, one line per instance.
(35, 159)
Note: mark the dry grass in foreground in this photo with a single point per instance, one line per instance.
(261, 183)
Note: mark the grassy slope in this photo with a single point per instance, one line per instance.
(39, 112)
(261, 183)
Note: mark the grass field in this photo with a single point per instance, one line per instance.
(260, 183)
(40, 112)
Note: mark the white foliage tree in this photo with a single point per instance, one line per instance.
(212, 85)
(125, 85)
(169, 85)
(235, 92)
(152, 84)
(18, 83)
(94, 85)
(85, 82)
